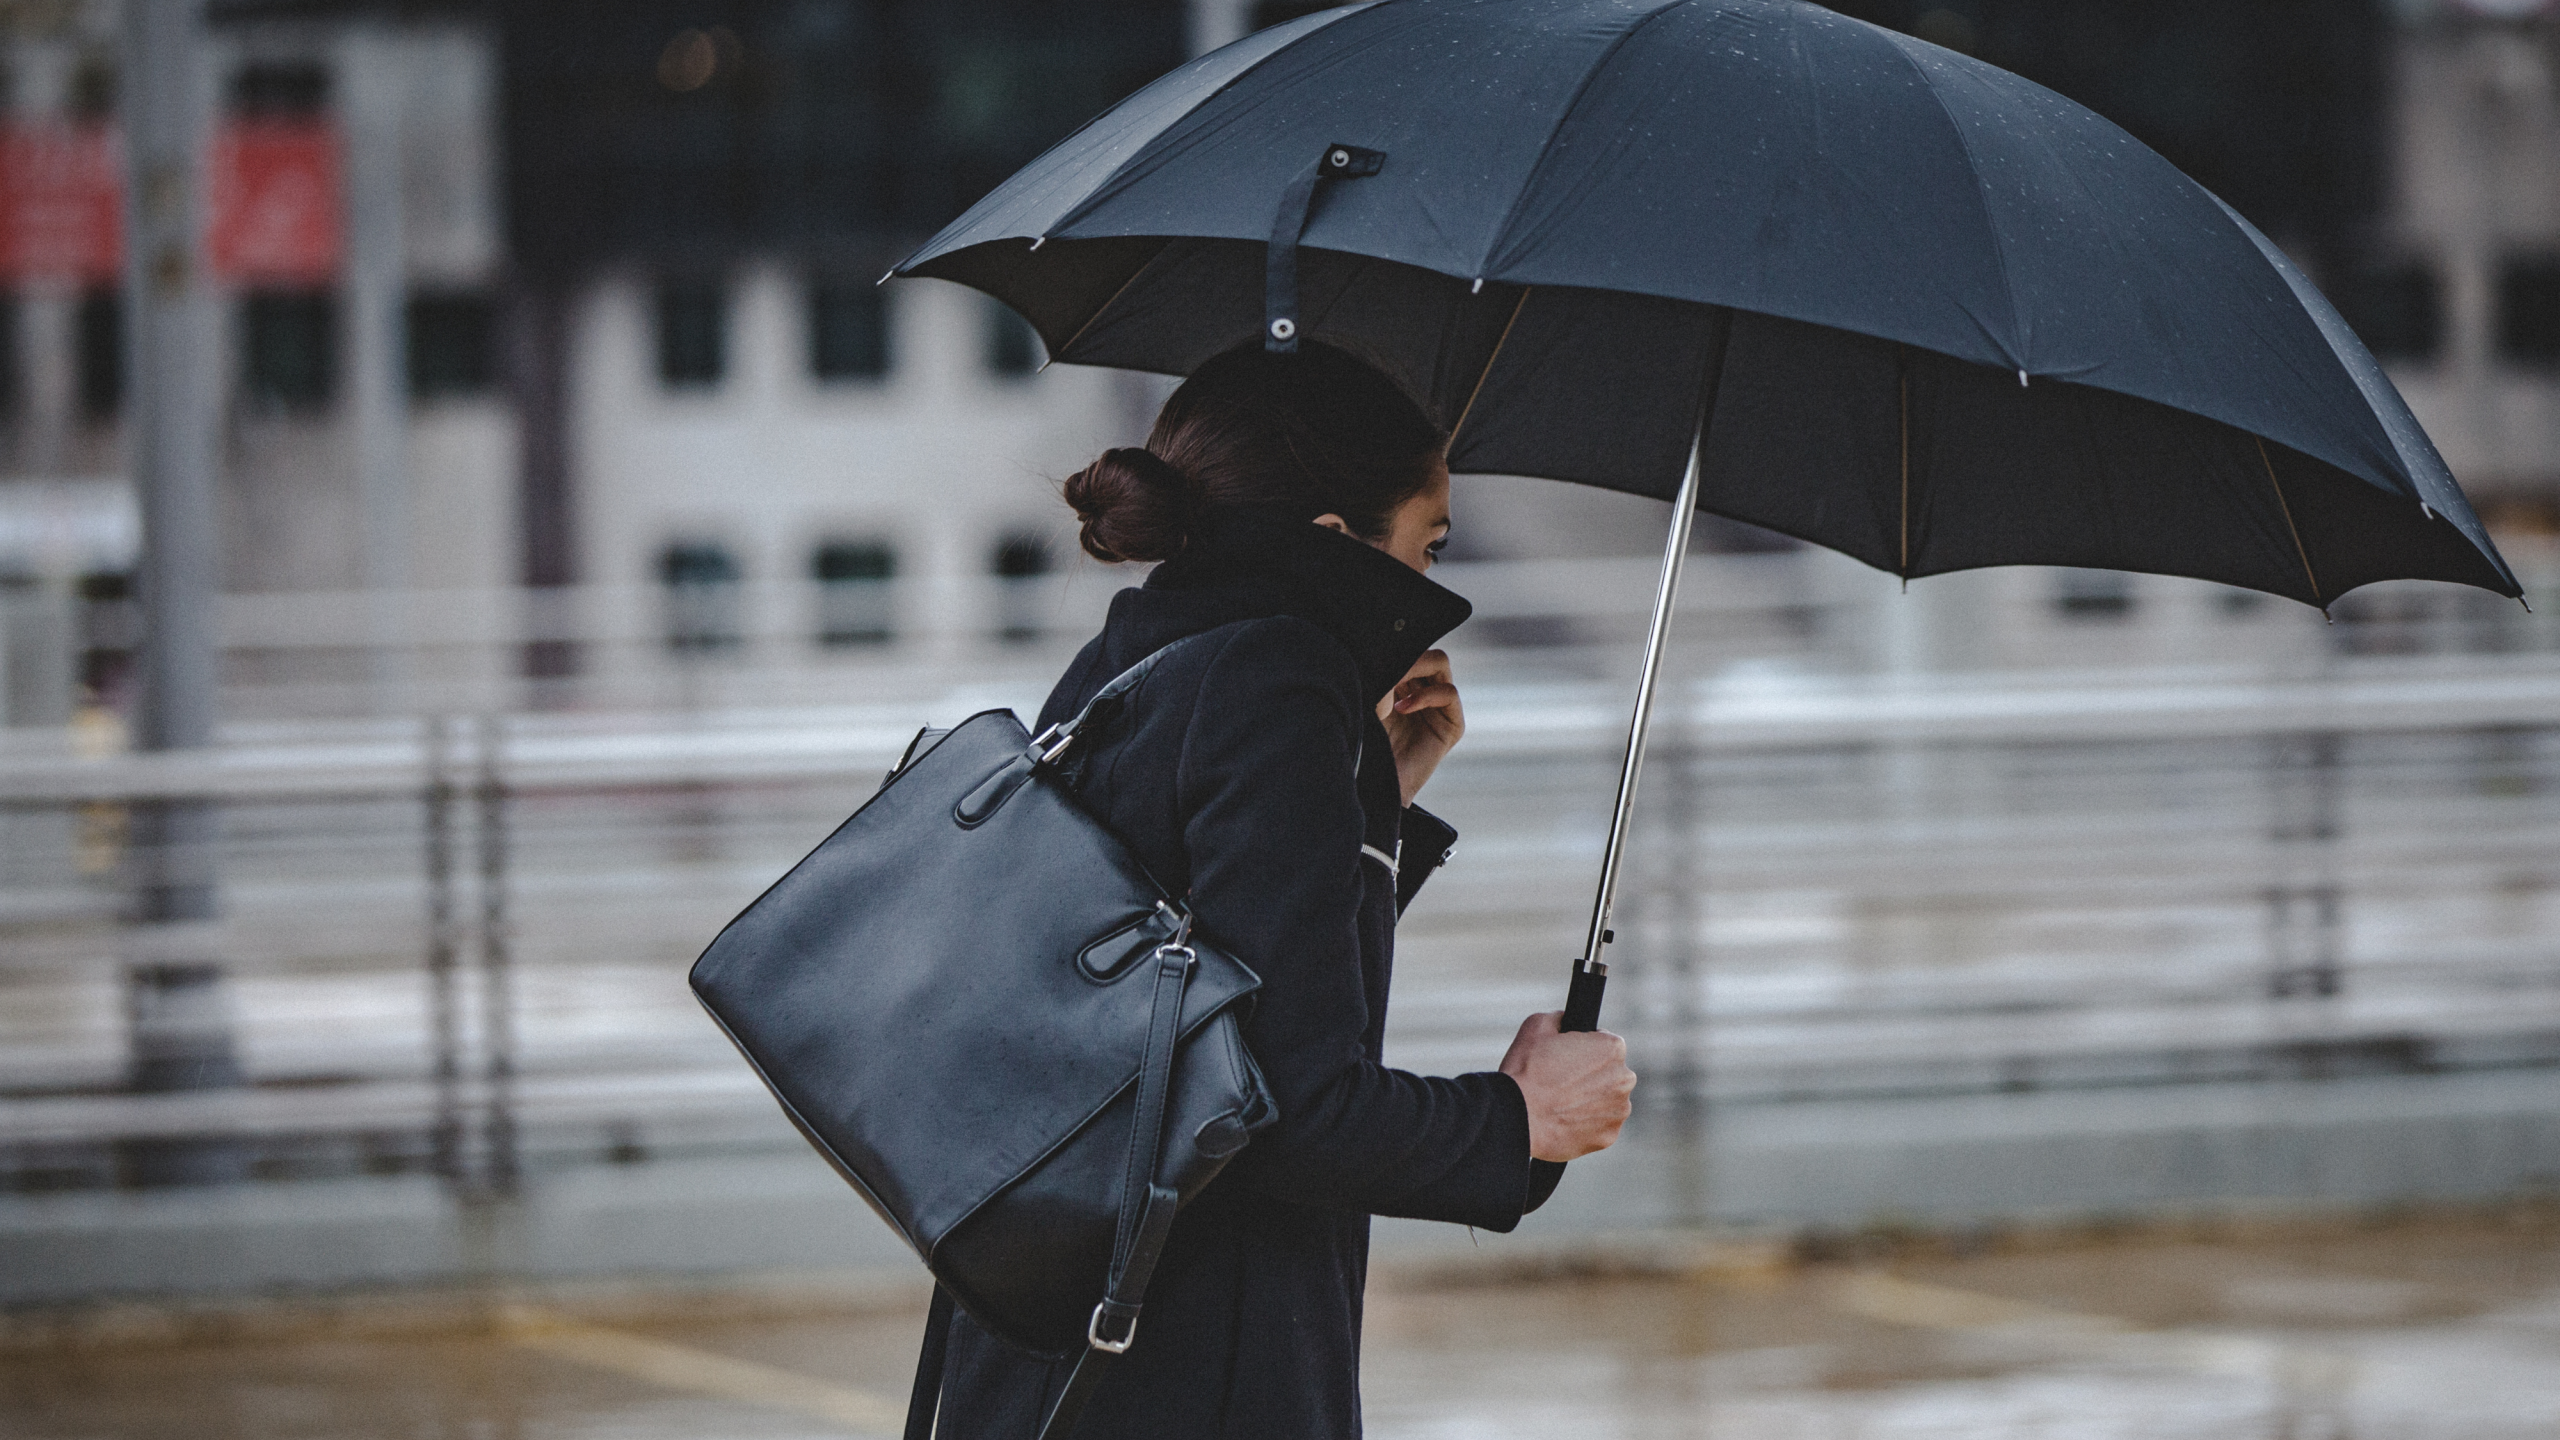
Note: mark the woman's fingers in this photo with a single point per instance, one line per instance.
(1424, 718)
(1415, 695)
(1577, 1087)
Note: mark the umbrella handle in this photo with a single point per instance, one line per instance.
(1581, 1013)
(1582, 997)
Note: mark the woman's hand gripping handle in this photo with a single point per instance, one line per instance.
(1577, 1085)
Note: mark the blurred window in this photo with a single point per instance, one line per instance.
(109, 629)
(92, 97)
(855, 601)
(97, 345)
(289, 348)
(1012, 347)
(848, 330)
(1021, 562)
(280, 90)
(2093, 594)
(701, 582)
(2236, 603)
(693, 332)
(450, 343)
(2397, 310)
(2529, 311)
(656, 130)
(12, 367)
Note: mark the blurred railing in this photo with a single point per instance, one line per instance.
(455, 944)
(725, 644)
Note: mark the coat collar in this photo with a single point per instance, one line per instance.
(1249, 564)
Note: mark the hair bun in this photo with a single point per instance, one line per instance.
(1134, 505)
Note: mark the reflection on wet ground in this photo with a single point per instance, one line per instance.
(2409, 1331)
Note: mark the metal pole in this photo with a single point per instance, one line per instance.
(376, 284)
(171, 358)
(444, 952)
(177, 1008)
(1590, 972)
(497, 972)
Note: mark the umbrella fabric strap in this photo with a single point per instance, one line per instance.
(1280, 273)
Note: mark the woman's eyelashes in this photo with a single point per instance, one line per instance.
(1435, 547)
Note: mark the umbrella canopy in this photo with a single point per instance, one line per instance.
(1906, 305)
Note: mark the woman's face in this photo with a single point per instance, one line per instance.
(1416, 530)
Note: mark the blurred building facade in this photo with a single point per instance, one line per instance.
(641, 363)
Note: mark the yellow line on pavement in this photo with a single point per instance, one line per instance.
(1896, 1301)
(2298, 1369)
(681, 1367)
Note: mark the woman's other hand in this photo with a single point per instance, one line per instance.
(1578, 1086)
(1424, 719)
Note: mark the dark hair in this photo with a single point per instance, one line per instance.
(1318, 432)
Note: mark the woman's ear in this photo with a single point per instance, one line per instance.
(1333, 523)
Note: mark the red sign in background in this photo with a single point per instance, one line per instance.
(275, 203)
(275, 216)
(61, 202)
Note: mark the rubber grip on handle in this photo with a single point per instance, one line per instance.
(1582, 999)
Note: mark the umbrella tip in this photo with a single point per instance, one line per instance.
(2022, 377)
(2426, 511)
(886, 276)
(2326, 617)
(1478, 287)
(1038, 241)
(2527, 604)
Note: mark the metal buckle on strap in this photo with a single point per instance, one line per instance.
(1181, 922)
(1093, 1331)
(1051, 743)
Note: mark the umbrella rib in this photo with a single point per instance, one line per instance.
(1500, 239)
(1106, 305)
(2298, 549)
(1502, 340)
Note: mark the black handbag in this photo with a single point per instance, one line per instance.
(1003, 1032)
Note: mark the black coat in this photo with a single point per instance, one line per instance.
(1253, 774)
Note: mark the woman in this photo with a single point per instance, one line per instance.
(1268, 771)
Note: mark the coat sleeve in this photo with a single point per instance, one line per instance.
(1272, 827)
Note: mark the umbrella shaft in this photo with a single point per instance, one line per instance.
(1666, 596)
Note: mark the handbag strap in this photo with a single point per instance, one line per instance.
(1146, 1218)
(1053, 743)
(925, 1399)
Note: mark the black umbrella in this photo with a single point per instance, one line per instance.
(1755, 257)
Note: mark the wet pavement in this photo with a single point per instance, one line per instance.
(2433, 1330)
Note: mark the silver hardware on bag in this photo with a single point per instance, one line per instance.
(1051, 743)
(1093, 1333)
(1181, 928)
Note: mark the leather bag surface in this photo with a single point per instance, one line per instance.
(954, 997)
